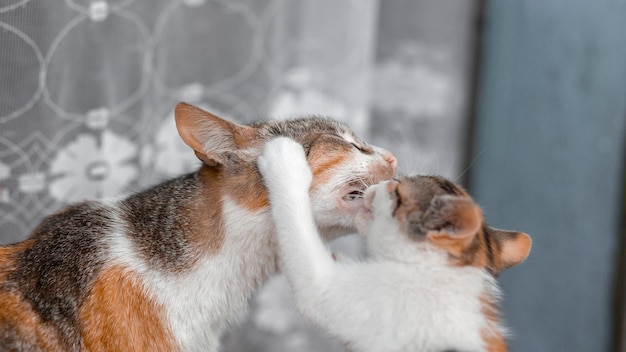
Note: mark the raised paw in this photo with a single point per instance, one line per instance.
(283, 164)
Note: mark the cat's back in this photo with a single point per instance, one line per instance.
(69, 248)
(65, 246)
(62, 252)
(69, 280)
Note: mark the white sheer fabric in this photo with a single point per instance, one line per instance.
(87, 90)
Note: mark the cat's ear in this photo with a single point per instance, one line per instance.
(452, 223)
(511, 247)
(210, 136)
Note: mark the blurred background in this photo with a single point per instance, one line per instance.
(521, 101)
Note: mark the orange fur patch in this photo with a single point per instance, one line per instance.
(119, 316)
(246, 188)
(205, 219)
(7, 257)
(320, 167)
(494, 341)
(17, 319)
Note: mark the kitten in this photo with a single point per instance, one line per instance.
(429, 285)
(168, 269)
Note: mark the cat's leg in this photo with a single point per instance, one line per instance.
(306, 260)
(334, 295)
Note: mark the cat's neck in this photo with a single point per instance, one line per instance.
(190, 242)
(190, 220)
(246, 259)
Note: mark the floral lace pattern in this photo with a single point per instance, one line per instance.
(88, 91)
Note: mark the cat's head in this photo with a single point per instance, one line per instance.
(342, 164)
(424, 214)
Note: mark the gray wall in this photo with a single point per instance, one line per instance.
(549, 142)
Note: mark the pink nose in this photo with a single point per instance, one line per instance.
(391, 160)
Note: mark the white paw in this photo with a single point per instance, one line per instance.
(283, 164)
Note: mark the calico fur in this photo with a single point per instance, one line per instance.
(429, 284)
(169, 268)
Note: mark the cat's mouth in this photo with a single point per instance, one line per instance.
(354, 199)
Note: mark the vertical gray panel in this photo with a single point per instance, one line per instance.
(619, 312)
(551, 131)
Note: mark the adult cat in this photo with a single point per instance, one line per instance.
(429, 285)
(167, 269)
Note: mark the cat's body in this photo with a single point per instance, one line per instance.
(429, 283)
(168, 269)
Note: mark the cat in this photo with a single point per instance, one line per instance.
(169, 268)
(429, 284)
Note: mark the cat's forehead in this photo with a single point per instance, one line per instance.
(425, 188)
(297, 128)
(417, 192)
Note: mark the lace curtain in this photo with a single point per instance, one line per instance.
(87, 91)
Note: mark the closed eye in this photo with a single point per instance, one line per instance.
(362, 149)
(357, 146)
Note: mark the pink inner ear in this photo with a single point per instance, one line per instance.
(187, 117)
(516, 249)
(208, 135)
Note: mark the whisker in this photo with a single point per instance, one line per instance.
(363, 182)
(470, 165)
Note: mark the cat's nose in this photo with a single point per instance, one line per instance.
(391, 159)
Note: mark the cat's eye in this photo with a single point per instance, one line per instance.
(362, 149)
(357, 146)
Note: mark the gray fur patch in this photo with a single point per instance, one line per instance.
(297, 128)
(156, 225)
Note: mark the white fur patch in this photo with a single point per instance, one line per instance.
(201, 302)
(390, 306)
